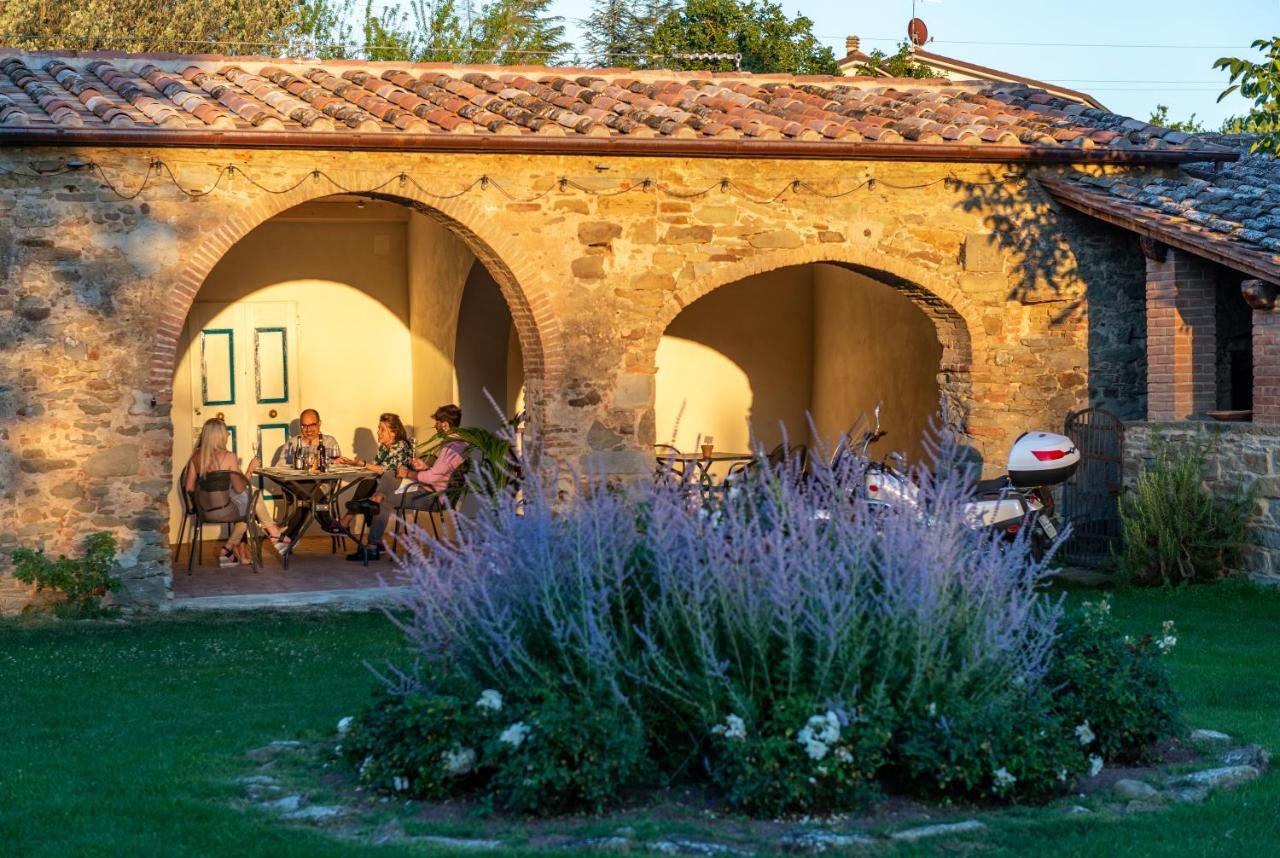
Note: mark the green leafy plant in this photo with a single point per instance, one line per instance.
(1115, 692)
(899, 64)
(496, 464)
(566, 755)
(804, 757)
(83, 581)
(1260, 83)
(1160, 116)
(1173, 529)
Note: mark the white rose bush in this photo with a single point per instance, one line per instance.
(784, 643)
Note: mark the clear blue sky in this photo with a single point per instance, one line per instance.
(1129, 80)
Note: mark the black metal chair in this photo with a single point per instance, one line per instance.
(432, 503)
(666, 466)
(212, 504)
(188, 512)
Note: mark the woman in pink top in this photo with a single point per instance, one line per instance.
(428, 478)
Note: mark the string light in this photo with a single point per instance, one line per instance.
(159, 169)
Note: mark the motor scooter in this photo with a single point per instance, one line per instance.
(1020, 498)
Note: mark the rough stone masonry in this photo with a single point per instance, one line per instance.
(1038, 311)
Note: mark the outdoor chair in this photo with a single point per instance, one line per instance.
(213, 505)
(779, 456)
(188, 512)
(433, 503)
(667, 467)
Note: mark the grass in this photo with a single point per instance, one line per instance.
(126, 738)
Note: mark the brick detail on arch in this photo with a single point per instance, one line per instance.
(537, 327)
(1181, 336)
(963, 343)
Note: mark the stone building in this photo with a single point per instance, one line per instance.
(626, 255)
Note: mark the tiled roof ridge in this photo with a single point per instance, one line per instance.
(91, 94)
(170, 61)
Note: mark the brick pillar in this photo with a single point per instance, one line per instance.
(1266, 367)
(1181, 334)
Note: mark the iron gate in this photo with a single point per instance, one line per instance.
(1091, 498)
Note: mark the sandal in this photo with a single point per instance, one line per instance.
(281, 543)
(227, 559)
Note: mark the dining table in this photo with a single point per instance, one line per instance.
(314, 495)
(701, 462)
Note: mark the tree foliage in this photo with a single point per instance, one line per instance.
(899, 64)
(1160, 116)
(186, 26)
(1260, 83)
(767, 40)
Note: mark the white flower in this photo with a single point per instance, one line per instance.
(1095, 765)
(399, 784)
(1004, 779)
(843, 755)
(735, 727)
(368, 761)
(1062, 775)
(818, 734)
(459, 761)
(515, 734)
(344, 725)
(1170, 637)
(1085, 734)
(933, 710)
(490, 700)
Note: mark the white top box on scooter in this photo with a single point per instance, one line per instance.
(1042, 459)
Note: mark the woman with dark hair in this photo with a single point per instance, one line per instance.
(394, 451)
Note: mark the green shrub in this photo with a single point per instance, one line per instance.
(566, 756)
(83, 581)
(1009, 750)
(418, 743)
(1173, 529)
(803, 758)
(542, 756)
(1112, 688)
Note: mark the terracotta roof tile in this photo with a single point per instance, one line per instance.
(140, 92)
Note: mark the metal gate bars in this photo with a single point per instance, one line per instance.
(1091, 498)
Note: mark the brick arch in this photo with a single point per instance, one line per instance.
(537, 329)
(937, 296)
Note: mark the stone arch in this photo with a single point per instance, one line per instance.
(536, 326)
(936, 295)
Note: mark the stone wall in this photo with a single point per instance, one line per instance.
(1239, 455)
(96, 287)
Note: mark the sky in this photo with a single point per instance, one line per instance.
(1087, 45)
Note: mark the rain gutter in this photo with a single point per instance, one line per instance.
(601, 146)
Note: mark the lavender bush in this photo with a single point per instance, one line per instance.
(783, 638)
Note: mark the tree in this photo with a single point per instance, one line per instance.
(1160, 116)
(186, 26)
(766, 39)
(1260, 83)
(608, 31)
(900, 64)
(515, 32)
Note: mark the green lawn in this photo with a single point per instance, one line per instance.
(126, 738)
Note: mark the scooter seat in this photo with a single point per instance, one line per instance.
(993, 486)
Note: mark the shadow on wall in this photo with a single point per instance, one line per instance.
(487, 361)
(1080, 266)
(771, 351)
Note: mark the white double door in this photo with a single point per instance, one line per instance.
(244, 369)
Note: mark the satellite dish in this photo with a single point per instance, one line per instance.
(917, 32)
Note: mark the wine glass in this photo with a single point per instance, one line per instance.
(708, 446)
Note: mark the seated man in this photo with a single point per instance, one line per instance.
(303, 446)
(428, 480)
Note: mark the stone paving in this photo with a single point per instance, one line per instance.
(313, 568)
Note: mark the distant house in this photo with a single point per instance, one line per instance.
(954, 69)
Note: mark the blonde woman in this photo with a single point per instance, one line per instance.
(215, 468)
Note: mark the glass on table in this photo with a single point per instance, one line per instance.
(708, 446)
